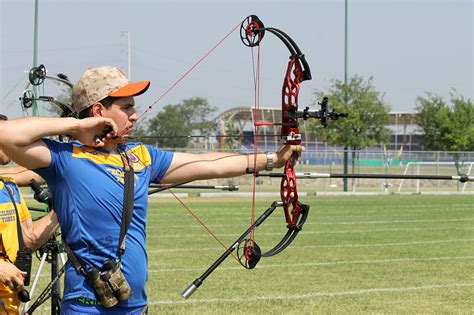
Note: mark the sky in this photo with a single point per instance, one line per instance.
(408, 47)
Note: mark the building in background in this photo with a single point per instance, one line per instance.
(403, 125)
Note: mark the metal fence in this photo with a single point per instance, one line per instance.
(372, 161)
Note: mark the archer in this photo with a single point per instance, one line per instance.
(99, 186)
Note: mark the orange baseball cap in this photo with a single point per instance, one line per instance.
(101, 82)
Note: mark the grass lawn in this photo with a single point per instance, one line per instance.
(356, 254)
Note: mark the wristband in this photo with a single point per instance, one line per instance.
(269, 166)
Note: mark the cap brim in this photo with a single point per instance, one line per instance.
(131, 89)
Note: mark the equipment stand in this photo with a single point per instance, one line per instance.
(51, 250)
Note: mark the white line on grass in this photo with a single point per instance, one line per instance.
(195, 225)
(333, 213)
(313, 294)
(306, 232)
(321, 246)
(329, 263)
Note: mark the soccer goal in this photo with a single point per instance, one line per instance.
(434, 168)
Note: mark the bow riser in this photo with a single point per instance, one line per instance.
(289, 102)
(252, 31)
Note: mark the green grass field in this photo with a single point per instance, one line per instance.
(365, 254)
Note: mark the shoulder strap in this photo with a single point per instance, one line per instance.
(73, 258)
(128, 203)
(128, 198)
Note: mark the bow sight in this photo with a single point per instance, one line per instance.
(324, 114)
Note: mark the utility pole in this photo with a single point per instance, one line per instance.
(346, 148)
(128, 52)
(35, 55)
(129, 56)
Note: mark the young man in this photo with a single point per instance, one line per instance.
(34, 234)
(86, 179)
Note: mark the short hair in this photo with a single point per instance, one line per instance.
(3, 117)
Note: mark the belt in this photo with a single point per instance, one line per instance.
(87, 301)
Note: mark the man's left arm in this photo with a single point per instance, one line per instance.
(36, 233)
(189, 166)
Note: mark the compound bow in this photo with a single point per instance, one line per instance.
(252, 31)
(36, 77)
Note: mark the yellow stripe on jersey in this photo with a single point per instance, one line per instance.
(140, 156)
(97, 156)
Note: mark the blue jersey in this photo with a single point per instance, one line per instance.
(87, 185)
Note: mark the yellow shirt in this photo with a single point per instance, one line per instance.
(8, 231)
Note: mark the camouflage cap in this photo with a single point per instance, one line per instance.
(101, 82)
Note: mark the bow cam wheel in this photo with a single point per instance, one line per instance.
(252, 31)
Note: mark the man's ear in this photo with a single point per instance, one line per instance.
(96, 110)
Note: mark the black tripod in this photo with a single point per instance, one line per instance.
(50, 252)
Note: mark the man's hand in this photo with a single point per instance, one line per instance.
(284, 154)
(11, 276)
(94, 131)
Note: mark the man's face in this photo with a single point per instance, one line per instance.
(4, 159)
(122, 111)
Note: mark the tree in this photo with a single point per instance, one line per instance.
(445, 127)
(234, 136)
(368, 116)
(175, 125)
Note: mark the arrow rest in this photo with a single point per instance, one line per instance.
(249, 253)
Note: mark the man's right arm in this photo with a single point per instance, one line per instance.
(21, 140)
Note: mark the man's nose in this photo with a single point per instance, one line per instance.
(133, 117)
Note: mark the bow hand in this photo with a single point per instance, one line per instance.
(287, 152)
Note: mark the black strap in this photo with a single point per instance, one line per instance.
(128, 203)
(73, 258)
(128, 199)
(21, 243)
